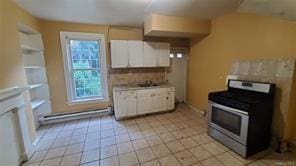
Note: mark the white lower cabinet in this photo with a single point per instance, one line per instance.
(159, 102)
(143, 101)
(170, 102)
(126, 104)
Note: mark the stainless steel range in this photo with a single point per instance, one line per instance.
(240, 118)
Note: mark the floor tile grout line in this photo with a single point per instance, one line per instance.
(146, 136)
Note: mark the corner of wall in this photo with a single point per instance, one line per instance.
(290, 131)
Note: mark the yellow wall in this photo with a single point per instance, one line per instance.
(1, 35)
(168, 26)
(54, 61)
(290, 132)
(12, 71)
(235, 36)
(125, 33)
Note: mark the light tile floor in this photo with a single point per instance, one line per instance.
(167, 139)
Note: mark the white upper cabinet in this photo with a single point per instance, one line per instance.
(119, 54)
(163, 58)
(150, 54)
(135, 53)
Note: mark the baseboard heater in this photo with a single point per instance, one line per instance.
(54, 118)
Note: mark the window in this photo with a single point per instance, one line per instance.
(172, 55)
(84, 66)
(179, 55)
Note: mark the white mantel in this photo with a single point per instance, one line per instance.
(15, 142)
(10, 98)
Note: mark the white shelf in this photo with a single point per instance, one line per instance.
(28, 48)
(31, 42)
(32, 86)
(36, 103)
(34, 59)
(33, 67)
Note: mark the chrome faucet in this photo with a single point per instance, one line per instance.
(148, 82)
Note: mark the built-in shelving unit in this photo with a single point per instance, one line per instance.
(36, 103)
(34, 65)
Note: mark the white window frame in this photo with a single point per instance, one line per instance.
(65, 37)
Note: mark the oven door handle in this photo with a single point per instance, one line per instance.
(233, 110)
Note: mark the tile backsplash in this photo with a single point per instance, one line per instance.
(134, 76)
(264, 67)
(278, 71)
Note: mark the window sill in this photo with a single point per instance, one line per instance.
(88, 101)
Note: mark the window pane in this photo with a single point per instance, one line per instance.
(85, 54)
(171, 55)
(87, 83)
(179, 55)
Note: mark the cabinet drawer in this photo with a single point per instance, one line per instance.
(171, 89)
(155, 90)
(125, 93)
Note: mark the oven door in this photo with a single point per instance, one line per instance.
(229, 121)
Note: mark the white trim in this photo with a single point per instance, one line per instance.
(54, 118)
(11, 101)
(195, 109)
(186, 57)
(186, 74)
(67, 65)
(85, 101)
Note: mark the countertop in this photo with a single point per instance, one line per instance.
(136, 87)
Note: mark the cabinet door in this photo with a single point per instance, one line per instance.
(119, 56)
(150, 54)
(159, 102)
(170, 101)
(144, 104)
(163, 58)
(119, 105)
(131, 105)
(135, 53)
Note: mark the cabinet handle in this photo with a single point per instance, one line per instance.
(167, 98)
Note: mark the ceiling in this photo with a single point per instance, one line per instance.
(134, 12)
(285, 9)
(124, 12)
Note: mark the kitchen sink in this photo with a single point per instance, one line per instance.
(148, 85)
